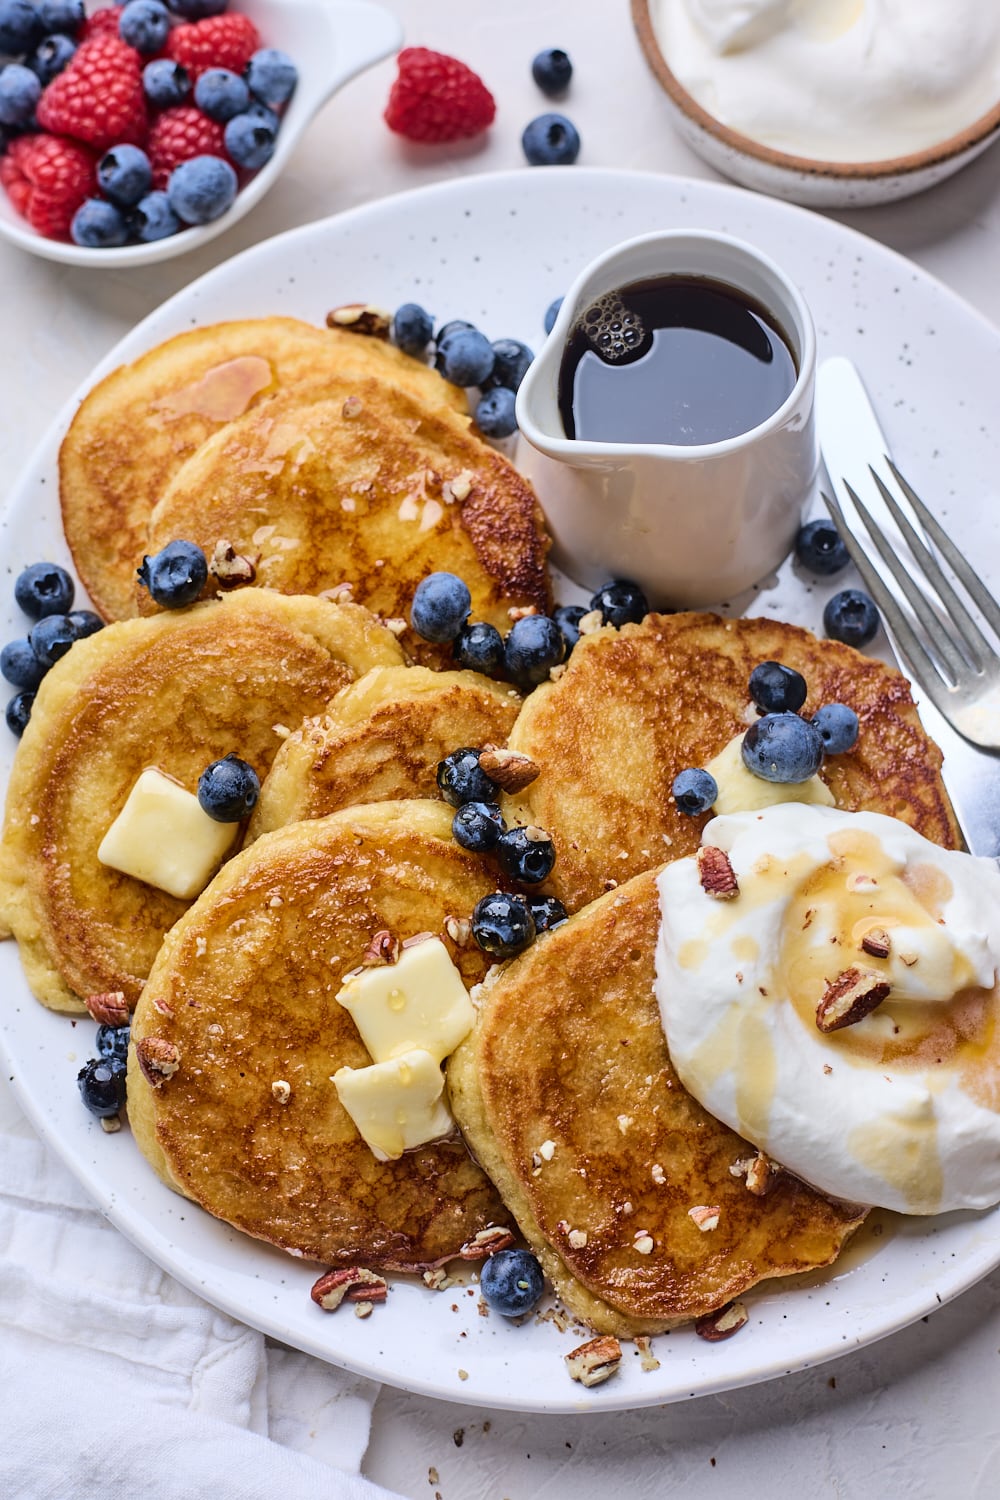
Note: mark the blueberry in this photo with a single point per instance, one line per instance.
(455, 325)
(98, 225)
(546, 912)
(820, 548)
(621, 603)
(20, 665)
(783, 748)
(412, 328)
(165, 83)
(534, 646)
(838, 727)
(66, 16)
(479, 648)
(552, 71)
(154, 219)
(502, 925)
(112, 1041)
(272, 76)
(101, 1082)
(20, 92)
(441, 605)
(777, 689)
(466, 357)
(125, 174)
(176, 576)
(20, 27)
(221, 94)
(568, 617)
(202, 189)
(144, 25)
(19, 712)
(197, 10)
(250, 141)
(461, 779)
(526, 855)
(257, 111)
(44, 589)
(511, 359)
(228, 789)
(551, 141)
(495, 413)
(694, 791)
(84, 623)
(551, 313)
(477, 826)
(51, 56)
(511, 1282)
(851, 617)
(51, 638)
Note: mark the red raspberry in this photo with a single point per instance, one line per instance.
(177, 135)
(47, 178)
(437, 98)
(98, 98)
(104, 20)
(226, 41)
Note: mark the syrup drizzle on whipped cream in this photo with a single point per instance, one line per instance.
(901, 1110)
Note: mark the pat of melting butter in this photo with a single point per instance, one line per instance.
(163, 837)
(741, 791)
(418, 1002)
(396, 1105)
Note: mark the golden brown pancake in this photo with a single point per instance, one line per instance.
(569, 1049)
(635, 706)
(176, 692)
(135, 429)
(244, 987)
(357, 489)
(381, 739)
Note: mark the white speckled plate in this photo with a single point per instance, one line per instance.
(497, 250)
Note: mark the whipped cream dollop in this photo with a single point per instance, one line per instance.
(899, 1110)
(836, 80)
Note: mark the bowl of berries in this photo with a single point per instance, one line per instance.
(135, 132)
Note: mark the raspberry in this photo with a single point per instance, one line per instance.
(227, 41)
(102, 22)
(180, 134)
(98, 97)
(47, 178)
(437, 98)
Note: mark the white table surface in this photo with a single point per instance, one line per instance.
(916, 1415)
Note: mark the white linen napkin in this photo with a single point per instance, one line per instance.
(119, 1384)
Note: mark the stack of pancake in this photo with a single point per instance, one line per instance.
(350, 464)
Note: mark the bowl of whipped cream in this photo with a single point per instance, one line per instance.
(830, 103)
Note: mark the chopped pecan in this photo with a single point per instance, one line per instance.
(459, 929)
(109, 1008)
(459, 488)
(508, 768)
(361, 317)
(876, 943)
(594, 1361)
(229, 568)
(647, 1359)
(717, 876)
(761, 1175)
(522, 612)
(353, 407)
(282, 1090)
(706, 1216)
(853, 995)
(722, 1323)
(354, 1284)
(383, 949)
(486, 1243)
(158, 1059)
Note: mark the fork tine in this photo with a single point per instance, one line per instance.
(979, 647)
(965, 574)
(912, 593)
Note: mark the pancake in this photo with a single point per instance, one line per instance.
(356, 489)
(381, 739)
(635, 706)
(569, 1049)
(176, 692)
(135, 429)
(244, 987)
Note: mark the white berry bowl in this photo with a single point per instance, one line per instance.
(330, 41)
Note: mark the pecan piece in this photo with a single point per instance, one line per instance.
(354, 1284)
(229, 568)
(109, 1008)
(595, 1361)
(876, 943)
(722, 1323)
(762, 1173)
(361, 317)
(717, 876)
(486, 1243)
(853, 995)
(158, 1059)
(383, 949)
(705, 1216)
(508, 768)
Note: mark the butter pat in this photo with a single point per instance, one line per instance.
(396, 1105)
(741, 791)
(164, 838)
(419, 1002)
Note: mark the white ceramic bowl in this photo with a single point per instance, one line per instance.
(801, 179)
(329, 40)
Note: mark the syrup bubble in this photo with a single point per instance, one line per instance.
(612, 328)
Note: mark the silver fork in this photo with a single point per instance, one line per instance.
(957, 667)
